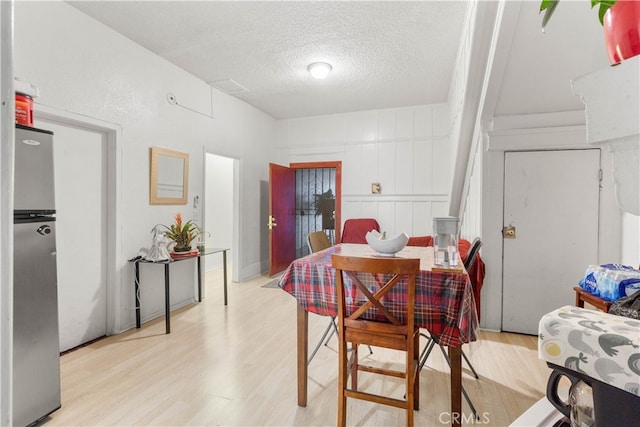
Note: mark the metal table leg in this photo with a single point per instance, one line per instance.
(137, 292)
(199, 279)
(224, 269)
(167, 312)
(302, 341)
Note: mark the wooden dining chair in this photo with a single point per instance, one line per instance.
(366, 320)
(317, 241)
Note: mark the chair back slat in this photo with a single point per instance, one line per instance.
(390, 265)
(374, 299)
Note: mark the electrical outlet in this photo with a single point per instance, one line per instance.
(196, 215)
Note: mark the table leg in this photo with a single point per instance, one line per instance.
(303, 349)
(579, 301)
(456, 385)
(224, 270)
(136, 286)
(167, 312)
(199, 279)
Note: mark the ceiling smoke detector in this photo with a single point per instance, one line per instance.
(319, 70)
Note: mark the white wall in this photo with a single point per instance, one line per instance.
(406, 150)
(84, 68)
(631, 240)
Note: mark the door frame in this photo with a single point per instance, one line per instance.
(497, 142)
(113, 134)
(338, 167)
(513, 290)
(309, 165)
(237, 212)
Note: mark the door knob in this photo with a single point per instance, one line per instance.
(509, 232)
(272, 222)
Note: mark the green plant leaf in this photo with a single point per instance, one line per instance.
(604, 6)
(549, 6)
(545, 4)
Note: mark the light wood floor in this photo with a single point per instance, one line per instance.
(235, 366)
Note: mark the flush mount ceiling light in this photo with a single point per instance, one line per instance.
(319, 70)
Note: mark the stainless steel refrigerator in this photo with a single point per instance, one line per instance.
(36, 348)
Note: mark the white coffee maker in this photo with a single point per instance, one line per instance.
(446, 231)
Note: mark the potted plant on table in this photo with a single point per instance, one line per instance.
(182, 233)
(621, 23)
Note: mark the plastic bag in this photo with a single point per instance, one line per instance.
(590, 282)
(614, 281)
(159, 248)
(611, 281)
(628, 306)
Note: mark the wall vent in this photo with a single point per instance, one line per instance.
(229, 86)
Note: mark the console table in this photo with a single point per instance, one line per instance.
(166, 264)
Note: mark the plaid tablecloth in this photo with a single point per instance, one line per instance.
(444, 301)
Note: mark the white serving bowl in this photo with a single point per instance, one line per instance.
(386, 246)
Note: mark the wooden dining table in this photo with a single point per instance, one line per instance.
(445, 306)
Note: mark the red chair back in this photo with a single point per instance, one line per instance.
(420, 241)
(355, 229)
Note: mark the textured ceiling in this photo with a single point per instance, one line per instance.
(384, 54)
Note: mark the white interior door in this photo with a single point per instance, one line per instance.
(552, 200)
(81, 224)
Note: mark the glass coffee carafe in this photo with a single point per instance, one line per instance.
(579, 405)
(581, 402)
